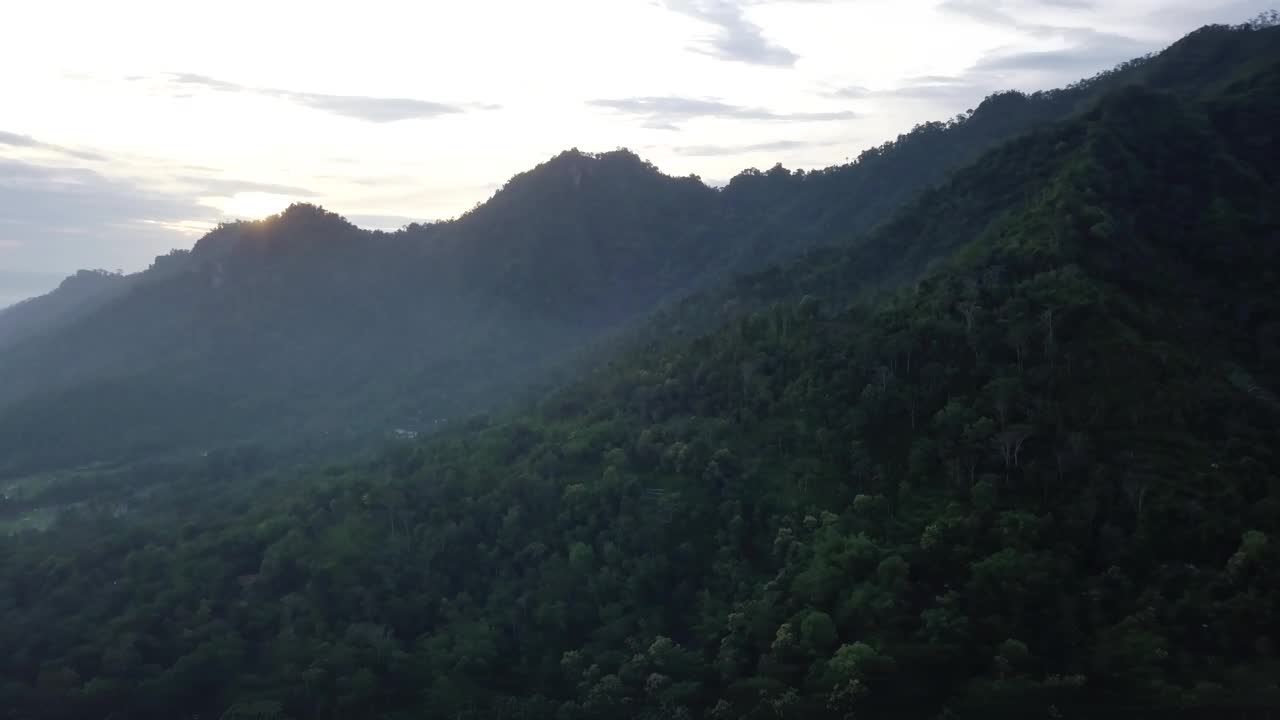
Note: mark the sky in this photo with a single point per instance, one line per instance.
(132, 127)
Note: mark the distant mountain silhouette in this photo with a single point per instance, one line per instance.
(302, 328)
(1032, 474)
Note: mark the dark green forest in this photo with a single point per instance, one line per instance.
(1004, 447)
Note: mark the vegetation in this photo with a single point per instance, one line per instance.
(76, 294)
(1038, 480)
(302, 331)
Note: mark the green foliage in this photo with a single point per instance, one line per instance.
(1039, 480)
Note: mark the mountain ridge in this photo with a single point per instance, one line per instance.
(1039, 480)
(350, 332)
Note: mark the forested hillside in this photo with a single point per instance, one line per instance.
(81, 292)
(1037, 480)
(1198, 65)
(304, 332)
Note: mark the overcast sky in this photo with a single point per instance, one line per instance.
(130, 127)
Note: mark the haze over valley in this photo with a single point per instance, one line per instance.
(303, 415)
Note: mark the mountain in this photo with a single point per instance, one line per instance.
(1038, 479)
(304, 332)
(799, 211)
(76, 295)
(1197, 65)
(304, 326)
(18, 286)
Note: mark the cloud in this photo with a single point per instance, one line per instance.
(1179, 18)
(1083, 52)
(933, 88)
(719, 150)
(360, 107)
(79, 154)
(1087, 52)
(1016, 14)
(25, 141)
(735, 37)
(387, 180)
(377, 110)
(981, 10)
(666, 113)
(64, 218)
(202, 81)
(384, 222)
(852, 92)
(8, 138)
(1073, 53)
(1010, 12)
(184, 227)
(229, 186)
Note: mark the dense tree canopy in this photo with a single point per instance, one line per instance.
(1037, 477)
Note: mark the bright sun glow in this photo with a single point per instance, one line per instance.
(249, 205)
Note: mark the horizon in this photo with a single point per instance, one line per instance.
(979, 418)
(720, 87)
